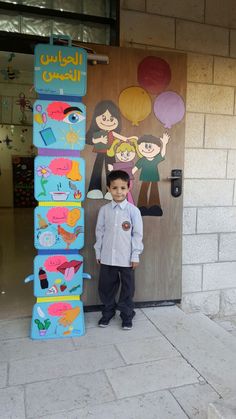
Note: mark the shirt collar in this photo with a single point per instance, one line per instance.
(122, 204)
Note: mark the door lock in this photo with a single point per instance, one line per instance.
(176, 182)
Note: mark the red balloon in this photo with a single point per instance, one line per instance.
(154, 74)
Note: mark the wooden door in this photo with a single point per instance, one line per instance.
(158, 278)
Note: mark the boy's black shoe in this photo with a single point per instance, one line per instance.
(127, 322)
(104, 321)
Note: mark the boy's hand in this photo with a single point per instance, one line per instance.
(98, 261)
(134, 264)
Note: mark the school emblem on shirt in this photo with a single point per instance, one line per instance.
(126, 225)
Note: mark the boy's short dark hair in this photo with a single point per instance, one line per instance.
(117, 174)
(150, 139)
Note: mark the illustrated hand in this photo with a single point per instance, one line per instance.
(165, 138)
(110, 167)
(104, 140)
(134, 264)
(69, 316)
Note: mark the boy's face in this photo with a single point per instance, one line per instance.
(149, 149)
(119, 190)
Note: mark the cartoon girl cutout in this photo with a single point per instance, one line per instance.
(104, 129)
(125, 153)
(152, 150)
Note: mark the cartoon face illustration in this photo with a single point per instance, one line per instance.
(125, 155)
(106, 121)
(149, 149)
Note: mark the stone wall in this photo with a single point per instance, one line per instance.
(206, 31)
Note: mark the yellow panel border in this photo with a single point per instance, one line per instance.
(59, 204)
(62, 298)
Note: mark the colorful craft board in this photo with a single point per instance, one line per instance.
(58, 227)
(59, 179)
(58, 275)
(59, 124)
(59, 127)
(57, 319)
(60, 70)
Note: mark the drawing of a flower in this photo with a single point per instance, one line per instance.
(44, 172)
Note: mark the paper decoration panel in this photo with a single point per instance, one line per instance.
(57, 319)
(60, 70)
(59, 124)
(58, 227)
(56, 275)
(59, 179)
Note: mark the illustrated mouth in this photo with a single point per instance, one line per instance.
(147, 151)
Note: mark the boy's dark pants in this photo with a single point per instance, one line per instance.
(109, 282)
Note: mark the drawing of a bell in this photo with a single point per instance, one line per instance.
(74, 173)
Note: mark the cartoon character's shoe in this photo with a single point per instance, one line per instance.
(108, 196)
(95, 194)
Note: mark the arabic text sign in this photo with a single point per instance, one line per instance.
(60, 70)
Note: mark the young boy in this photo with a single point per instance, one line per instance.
(119, 233)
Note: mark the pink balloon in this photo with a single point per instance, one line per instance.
(169, 108)
(44, 117)
(154, 74)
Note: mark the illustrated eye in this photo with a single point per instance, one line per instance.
(73, 117)
(146, 146)
(111, 119)
(104, 118)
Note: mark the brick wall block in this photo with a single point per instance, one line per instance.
(206, 302)
(194, 129)
(219, 276)
(228, 302)
(210, 99)
(227, 248)
(191, 278)
(200, 249)
(204, 192)
(216, 220)
(159, 31)
(189, 220)
(186, 9)
(220, 131)
(197, 37)
(200, 68)
(203, 163)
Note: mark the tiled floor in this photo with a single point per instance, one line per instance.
(170, 366)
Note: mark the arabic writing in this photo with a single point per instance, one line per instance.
(72, 75)
(63, 61)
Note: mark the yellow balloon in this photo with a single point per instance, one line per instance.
(38, 118)
(135, 104)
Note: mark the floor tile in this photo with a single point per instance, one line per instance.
(63, 365)
(134, 379)
(145, 350)
(13, 349)
(114, 334)
(12, 403)
(195, 398)
(208, 347)
(65, 394)
(3, 374)
(15, 328)
(157, 405)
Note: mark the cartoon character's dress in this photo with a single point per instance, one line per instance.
(101, 150)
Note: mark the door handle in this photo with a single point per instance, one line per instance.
(176, 182)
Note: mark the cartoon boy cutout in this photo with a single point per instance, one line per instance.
(153, 150)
